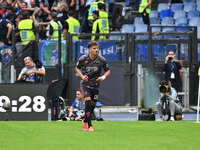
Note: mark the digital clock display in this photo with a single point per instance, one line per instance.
(27, 101)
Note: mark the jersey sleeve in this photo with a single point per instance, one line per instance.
(105, 65)
(74, 104)
(80, 62)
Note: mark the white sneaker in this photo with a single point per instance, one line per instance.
(160, 119)
(172, 119)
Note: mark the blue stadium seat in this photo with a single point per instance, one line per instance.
(193, 13)
(138, 20)
(154, 20)
(179, 14)
(115, 37)
(177, 6)
(169, 36)
(127, 28)
(154, 13)
(162, 6)
(182, 29)
(167, 21)
(171, 47)
(198, 7)
(198, 32)
(188, 6)
(141, 52)
(157, 51)
(181, 20)
(194, 21)
(188, 1)
(141, 28)
(165, 13)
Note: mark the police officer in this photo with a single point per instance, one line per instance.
(26, 27)
(71, 25)
(99, 26)
(145, 9)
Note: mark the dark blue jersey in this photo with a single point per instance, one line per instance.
(92, 69)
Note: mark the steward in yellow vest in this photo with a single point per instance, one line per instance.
(26, 23)
(54, 27)
(71, 25)
(99, 26)
(145, 9)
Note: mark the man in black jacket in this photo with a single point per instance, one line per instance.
(171, 69)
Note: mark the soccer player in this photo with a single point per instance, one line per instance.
(89, 69)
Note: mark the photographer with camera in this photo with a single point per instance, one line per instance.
(168, 102)
(171, 69)
(32, 72)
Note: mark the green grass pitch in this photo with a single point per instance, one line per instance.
(108, 135)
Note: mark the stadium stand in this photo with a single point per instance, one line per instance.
(127, 28)
(179, 14)
(176, 6)
(188, 6)
(154, 21)
(162, 6)
(153, 14)
(115, 37)
(194, 21)
(193, 13)
(181, 20)
(165, 13)
(138, 20)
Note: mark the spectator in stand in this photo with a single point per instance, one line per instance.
(3, 8)
(62, 12)
(71, 25)
(33, 9)
(10, 18)
(43, 12)
(77, 7)
(21, 6)
(6, 29)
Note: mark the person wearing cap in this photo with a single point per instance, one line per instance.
(31, 72)
(71, 25)
(26, 27)
(3, 7)
(99, 26)
(6, 29)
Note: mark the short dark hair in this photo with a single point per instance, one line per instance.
(163, 82)
(92, 43)
(78, 90)
(171, 51)
(101, 6)
(96, 12)
(71, 13)
(25, 14)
